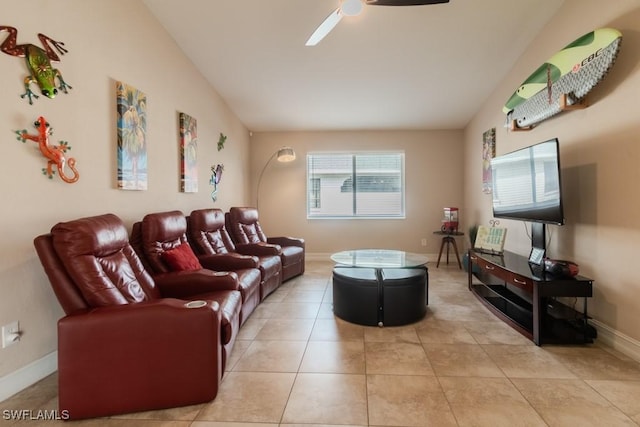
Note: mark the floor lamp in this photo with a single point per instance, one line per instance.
(285, 155)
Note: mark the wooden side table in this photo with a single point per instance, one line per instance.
(448, 239)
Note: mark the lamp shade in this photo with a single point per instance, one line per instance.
(286, 154)
(351, 7)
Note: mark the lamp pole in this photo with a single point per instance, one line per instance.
(284, 154)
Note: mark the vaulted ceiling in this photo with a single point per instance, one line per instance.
(408, 67)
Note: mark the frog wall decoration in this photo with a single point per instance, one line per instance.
(39, 60)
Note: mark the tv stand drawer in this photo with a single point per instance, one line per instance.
(490, 268)
(521, 282)
(517, 280)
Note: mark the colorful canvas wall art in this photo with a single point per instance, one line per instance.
(488, 152)
(188, 154)
(132, 137)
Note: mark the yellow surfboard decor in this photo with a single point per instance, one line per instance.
(564, 80)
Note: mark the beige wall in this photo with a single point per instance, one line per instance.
(107, 41)
(432, 174)
(600, 154)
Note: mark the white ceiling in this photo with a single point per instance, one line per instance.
(410, 67)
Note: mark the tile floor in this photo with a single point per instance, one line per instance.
(295, 365)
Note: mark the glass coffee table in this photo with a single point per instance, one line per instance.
(380, 286)
(379, 258)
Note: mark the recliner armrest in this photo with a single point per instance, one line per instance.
(183, 284)
(286, 241)
(136, 357)
(228, 262)
(259, 249)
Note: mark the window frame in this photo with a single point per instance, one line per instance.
(354, 177)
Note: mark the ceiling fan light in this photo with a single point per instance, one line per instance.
(351, 7)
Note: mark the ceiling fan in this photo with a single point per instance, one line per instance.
(353, 8)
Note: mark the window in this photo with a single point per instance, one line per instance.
(355, 185)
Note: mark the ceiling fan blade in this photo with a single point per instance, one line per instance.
(324, 28)
(403, 2)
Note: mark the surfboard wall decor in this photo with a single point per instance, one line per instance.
(564, 80)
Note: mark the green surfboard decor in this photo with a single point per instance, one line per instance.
(564, 80)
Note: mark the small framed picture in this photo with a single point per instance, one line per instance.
(536, 256)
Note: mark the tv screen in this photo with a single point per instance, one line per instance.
(526, 184)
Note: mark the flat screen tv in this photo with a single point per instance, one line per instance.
(527, 185)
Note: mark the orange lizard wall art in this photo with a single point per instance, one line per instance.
(55, 154)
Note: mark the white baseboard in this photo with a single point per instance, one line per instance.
(617, 340)
(319, 256)
(27, 375)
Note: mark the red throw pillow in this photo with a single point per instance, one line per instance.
(181, 258)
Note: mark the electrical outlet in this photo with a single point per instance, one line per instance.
(424, 241)
(10, 334)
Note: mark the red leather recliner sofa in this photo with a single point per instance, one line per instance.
(140, 334)
(122, 345)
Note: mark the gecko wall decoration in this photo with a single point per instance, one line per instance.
(39, 60)
(216, 176)
(221, 141)
(54, 154)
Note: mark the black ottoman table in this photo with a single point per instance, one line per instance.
(380, 296)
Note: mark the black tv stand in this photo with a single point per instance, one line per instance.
(527, 299)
